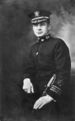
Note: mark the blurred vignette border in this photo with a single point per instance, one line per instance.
(17, 37)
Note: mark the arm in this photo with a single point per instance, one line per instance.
(29, 71)
(29, 66)
(63, 68)
(62, 71)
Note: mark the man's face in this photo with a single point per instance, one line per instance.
(40, 29)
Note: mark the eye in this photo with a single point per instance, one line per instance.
(42, 23)
(35, 24)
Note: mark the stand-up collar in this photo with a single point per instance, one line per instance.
(43, 38)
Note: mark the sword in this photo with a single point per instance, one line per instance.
(51, 81)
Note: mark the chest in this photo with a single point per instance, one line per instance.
(43, 53)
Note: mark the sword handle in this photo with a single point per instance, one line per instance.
(51, 81)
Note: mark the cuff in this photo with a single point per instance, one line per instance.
(26, 76)
(54, 92)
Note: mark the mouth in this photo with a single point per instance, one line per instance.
(40, 32)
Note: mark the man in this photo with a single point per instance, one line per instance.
(49, 67)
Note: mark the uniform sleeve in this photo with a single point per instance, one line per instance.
(62, 70)
(29, 67)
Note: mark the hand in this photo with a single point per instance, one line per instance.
(42, 101)
(28, 86)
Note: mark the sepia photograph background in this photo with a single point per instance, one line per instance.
(16, 38)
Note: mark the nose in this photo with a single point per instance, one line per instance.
(39, 26)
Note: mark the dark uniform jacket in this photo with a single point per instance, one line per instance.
(49, 56)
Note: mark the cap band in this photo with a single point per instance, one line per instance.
(39, 19)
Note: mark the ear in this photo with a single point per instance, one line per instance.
(49, 28)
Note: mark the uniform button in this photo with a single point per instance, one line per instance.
(37, 53)
(42, 40)
(47, 37)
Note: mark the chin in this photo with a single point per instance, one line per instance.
(40, 35)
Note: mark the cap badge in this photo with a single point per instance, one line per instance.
(36, 13)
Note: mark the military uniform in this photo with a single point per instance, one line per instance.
(49, 56)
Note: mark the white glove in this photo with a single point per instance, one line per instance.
(28, 86)
(42, 101)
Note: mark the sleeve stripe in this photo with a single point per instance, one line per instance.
(56, 89)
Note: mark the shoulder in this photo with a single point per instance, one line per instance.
(59, 43)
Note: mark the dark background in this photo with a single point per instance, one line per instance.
(16, 37)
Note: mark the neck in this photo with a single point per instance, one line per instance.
(45, 37)
(47, 34)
